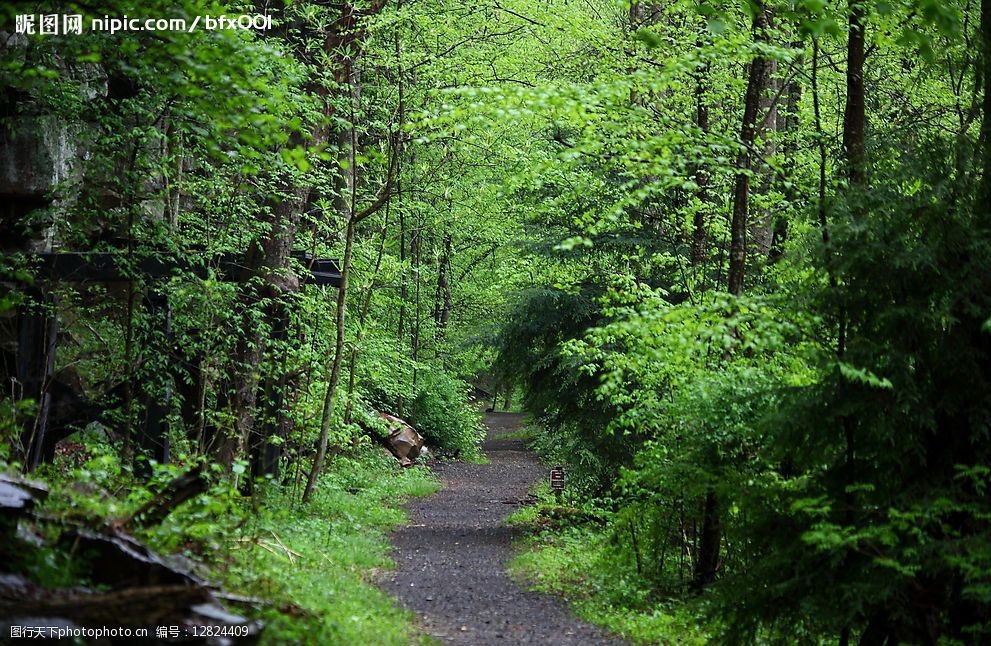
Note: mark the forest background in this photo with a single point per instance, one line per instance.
(733, 257)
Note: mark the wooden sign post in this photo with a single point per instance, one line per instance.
(558, 481)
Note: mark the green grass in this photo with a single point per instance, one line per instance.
(522, 433)
(309, 568)
(316, 563)
(567, 555)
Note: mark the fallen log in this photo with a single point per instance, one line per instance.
(402, 441)
(148, 591)
(120, 560)
(18, 495)
(23, 603)
(180, 489)
(18, 498)
(129, 607)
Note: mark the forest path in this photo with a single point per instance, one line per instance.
(451, 559)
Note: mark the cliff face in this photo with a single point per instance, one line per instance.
(37, 153)
(42, 148)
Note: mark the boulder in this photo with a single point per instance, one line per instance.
(18, 497)
(403, 440)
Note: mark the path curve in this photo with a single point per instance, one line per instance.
(451, 559)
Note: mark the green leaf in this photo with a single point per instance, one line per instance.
(863, 376)
(648, 38)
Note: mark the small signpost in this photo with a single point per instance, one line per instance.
(558, 480)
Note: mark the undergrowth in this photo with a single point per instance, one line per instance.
(316, 563)
(306, 571)
(566, 551)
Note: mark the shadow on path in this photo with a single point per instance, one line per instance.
(451, 559)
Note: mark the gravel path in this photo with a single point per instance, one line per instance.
(451, 558)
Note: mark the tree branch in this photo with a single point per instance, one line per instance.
(385, 192)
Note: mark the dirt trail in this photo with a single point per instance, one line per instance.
(451, 558)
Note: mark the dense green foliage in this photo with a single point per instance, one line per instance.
(581, 562)
(811, 452)
(310, 567)
(735, 256)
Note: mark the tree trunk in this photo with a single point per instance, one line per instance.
(761, 230)
(855, 114)
(854, 131)
(344, 204)
(415, 246)
(711, 533)
(343, 44)
(711, 536)
(270, 260)
(985, 190)
(788, 123)
(756, 86)
(330, 396)
(403, 299)
(442, 298)
(266, 454)
(699, 233)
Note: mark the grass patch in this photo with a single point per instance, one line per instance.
(566, 552)
(316, 563)
(523, 433)
(311, 567)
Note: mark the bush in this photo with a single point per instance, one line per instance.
(442, 414)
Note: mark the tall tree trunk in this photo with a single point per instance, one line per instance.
(403, 275)
(854, 148)
(273, 422)
(330, 396)
(334, 380)
(403, 299)
(343, 43)
(711, 533)
(821, 147)
(756, 86)
(761, 229)
(415, 247)
(403, 282)
(699, 233)
(985, 71)
(789, 128)
(855, 114)
(344, 205)
(710, 538)
(270, 260)
(442, 298)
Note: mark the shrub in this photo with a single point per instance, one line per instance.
(442, 414)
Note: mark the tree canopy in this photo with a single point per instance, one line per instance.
(734, 258)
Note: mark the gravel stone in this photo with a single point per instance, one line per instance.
(451, 559)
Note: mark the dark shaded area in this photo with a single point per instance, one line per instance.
(127, 584)
(61, 407)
